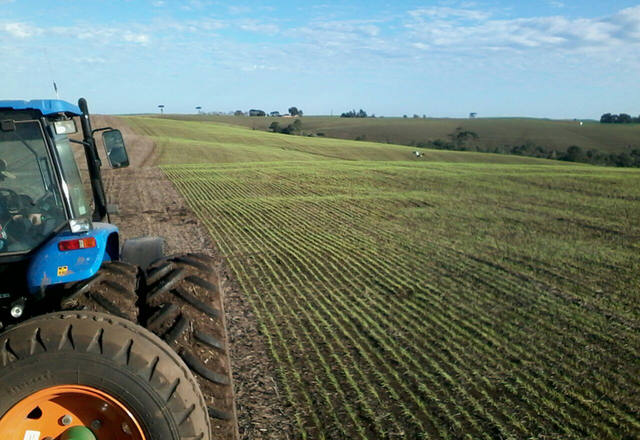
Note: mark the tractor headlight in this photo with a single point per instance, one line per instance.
(80, 225)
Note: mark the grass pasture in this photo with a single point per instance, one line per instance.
(461, 296)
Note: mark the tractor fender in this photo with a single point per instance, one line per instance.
(49, 265)
(143, 251)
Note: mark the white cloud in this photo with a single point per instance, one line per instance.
(429, 36)
(19, 30)
(465, 29)
(132, 37)
(353, 27)
(234, 9)
(347, 36)
(258, 27)
(443, 12)
(195, 5)
(92, 60)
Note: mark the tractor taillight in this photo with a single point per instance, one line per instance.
(80, 243)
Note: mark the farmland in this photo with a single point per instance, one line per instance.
(457, 295)
(492, 132)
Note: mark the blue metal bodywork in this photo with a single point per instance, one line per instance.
(50, 266)
(44, 106)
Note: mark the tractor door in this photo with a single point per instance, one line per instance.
(31, 205)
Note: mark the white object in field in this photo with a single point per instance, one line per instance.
(580, 123)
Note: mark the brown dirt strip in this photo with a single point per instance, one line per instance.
(150, 205)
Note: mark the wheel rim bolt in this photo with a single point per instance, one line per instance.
(66, 420)
(16, 311)
(96, 425)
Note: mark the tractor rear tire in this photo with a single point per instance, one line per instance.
(182, 304)
(105, 353)
(112, 290)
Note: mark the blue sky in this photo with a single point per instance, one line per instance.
(547, 58)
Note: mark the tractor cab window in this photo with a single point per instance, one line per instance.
(31, 206)
(73, 182)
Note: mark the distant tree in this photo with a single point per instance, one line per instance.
(238, 113)
(623, 160)
(461, 136)
(353, 114)
(404, 116)
(472, 115)
(296, 126)
(274, 126)
(293, 111)
(624, 118)
(574, 154)
(254, 112)
(605, 118)
(415, 116)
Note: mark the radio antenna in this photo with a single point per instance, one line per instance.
(55, 86)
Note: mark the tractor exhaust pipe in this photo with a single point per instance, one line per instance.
(93, 163)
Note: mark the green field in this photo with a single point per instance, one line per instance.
(455, 296)
(492, 132)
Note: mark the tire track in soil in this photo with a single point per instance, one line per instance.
(148, 204)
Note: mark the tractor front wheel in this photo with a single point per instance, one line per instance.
(83, 375)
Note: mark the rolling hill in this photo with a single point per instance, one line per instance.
(492, 132)
(459, 295)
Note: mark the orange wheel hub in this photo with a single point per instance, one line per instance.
(50, 412)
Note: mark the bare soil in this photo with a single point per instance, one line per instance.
(150, 205)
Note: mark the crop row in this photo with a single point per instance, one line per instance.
(383, 334)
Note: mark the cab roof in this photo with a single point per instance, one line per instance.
(44, 106)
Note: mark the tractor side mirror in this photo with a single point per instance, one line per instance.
(116, 151)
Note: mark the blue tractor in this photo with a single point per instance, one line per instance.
(98, 339)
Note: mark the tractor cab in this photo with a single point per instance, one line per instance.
(33, 204)
(45, 213)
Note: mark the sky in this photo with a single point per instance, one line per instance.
(545, 58)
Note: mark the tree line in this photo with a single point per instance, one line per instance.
(462, 140)
(294, 128)
(622, 118)
(359, 114)
(293, 111)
